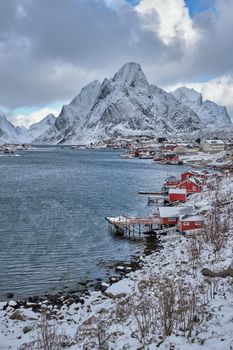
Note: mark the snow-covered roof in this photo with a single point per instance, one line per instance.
(215, 142)
(186, 145)
(172, 178)
(191, 218)
(193, 179)
(177, 190)
(167, 212)
(201, 173)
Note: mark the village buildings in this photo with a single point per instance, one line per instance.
(213, 146)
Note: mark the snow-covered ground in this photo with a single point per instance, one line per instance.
(209, 159)
(170, 303)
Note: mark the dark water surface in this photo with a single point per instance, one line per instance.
(52, 208)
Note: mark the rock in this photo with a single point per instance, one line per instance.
(3, 305)
(224, 273)
(69, 301)
(120, 289)
(113, 280)
(120, 268)
(30, 304)
(9, 295)
(104, 286)
(23, 315)
(18, 316)
(12, 303)
(128, 269)
(27, 329)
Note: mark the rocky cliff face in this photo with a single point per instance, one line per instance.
(125, 105)
(211, 115)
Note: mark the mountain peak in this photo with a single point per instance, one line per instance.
(130, 74)
(184, 94)
(211, 115)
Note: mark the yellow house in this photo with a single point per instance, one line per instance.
(186, 149)
(213, 146)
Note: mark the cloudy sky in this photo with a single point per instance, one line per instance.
(49, 49)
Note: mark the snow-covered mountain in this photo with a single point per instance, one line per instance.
(123, 106)
(8, 132)
(211, 115)
(12, 134)
(37, 129)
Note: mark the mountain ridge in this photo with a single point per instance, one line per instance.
(125, 106)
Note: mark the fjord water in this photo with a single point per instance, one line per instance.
(53, 204)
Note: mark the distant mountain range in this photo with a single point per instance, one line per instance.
(125, 106)
(15, 134)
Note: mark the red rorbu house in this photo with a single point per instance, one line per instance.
(171, 181)
(177, 194)
(171, 158)
(168, 147)
(169, 215)
(203, 176)
(192, 185)
(190, 222)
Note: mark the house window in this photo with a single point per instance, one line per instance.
(172, 219)
(183, 187)
(186, 223)
(198, 223)
(194, 188)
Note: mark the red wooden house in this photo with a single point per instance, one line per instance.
(168, 147)
(190, 222)
(169, 215)
(200, 175)
(177, 194)
(171, 181)
(187, 175)
(192, 185)
(171, 158)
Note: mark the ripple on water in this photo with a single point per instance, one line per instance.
(52, 208)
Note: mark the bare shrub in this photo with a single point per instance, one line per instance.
(212, 287)
(181, 308)
(47, 337)
(216, 227)
(122, 311)
(195, 249)
(145, 315)
(189, 309)
(166, 300)
(95, 333)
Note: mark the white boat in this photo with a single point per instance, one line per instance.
(127, 156)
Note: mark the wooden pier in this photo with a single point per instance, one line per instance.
(150, 193)
(134, 225)
(157, 200)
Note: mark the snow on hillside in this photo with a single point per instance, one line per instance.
(182, 298)
(211, 115)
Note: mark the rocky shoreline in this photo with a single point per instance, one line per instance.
(53, 302)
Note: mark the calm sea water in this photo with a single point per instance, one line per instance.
(53, 204)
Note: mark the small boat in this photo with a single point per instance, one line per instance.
(127, 156)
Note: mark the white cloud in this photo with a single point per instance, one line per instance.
(34, 117)
(219, 90)
(168, 18)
